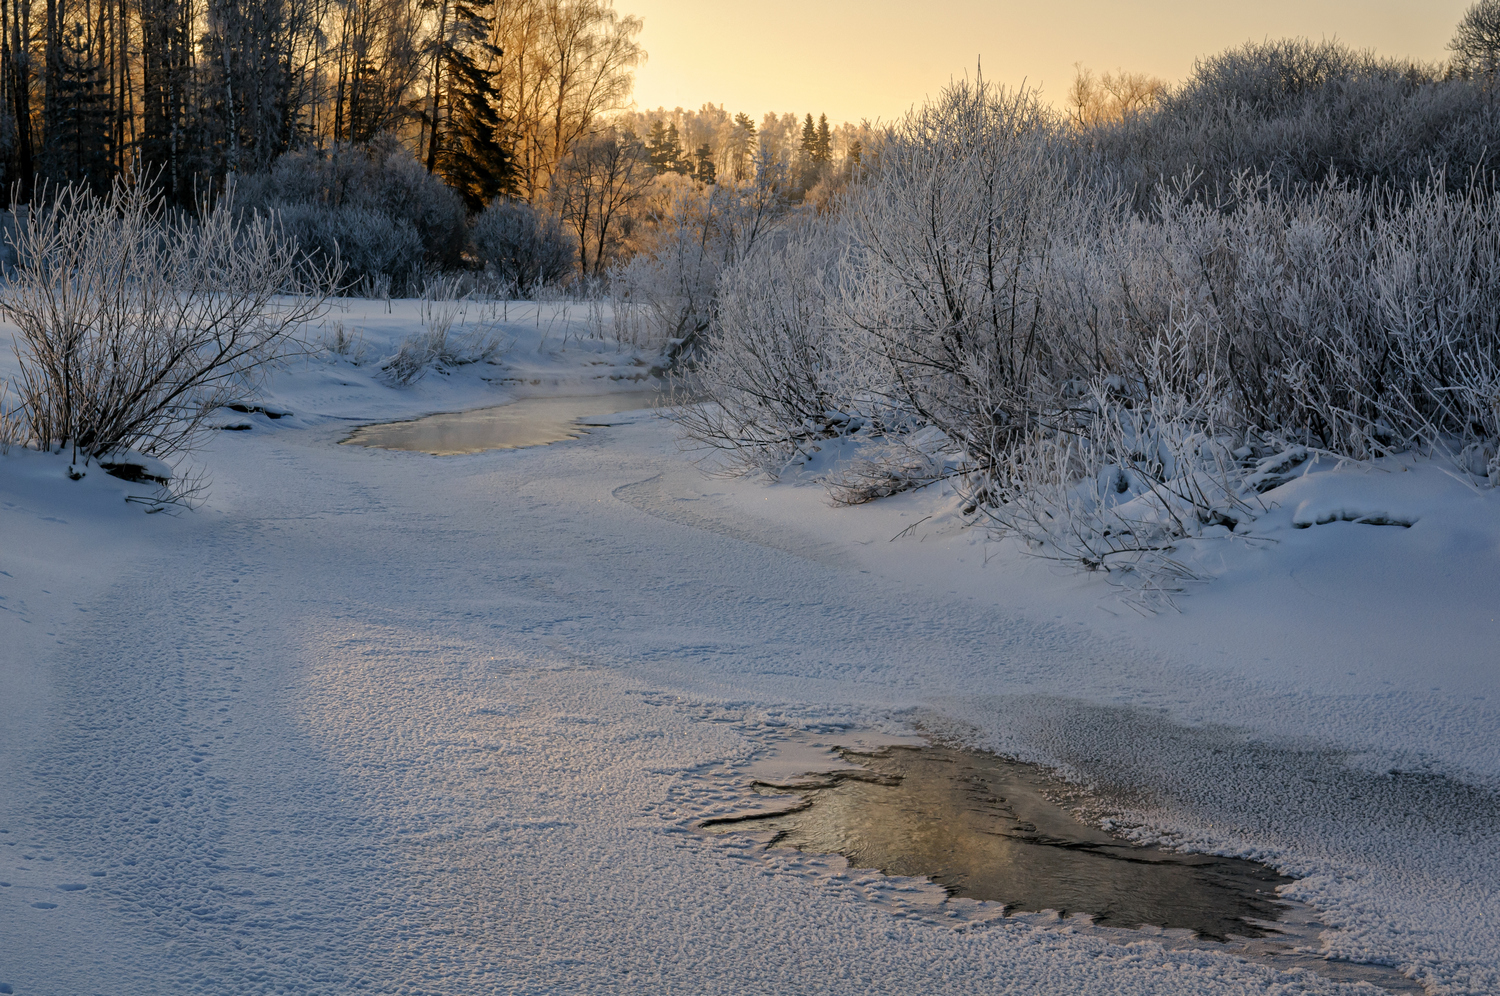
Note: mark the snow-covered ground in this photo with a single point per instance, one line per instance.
(382, 721)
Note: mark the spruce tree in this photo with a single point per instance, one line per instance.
(705, 171)
(679, 162)
(78, 142)
(823, 143)
(661, 147)
(742, 146)
(809, 169)
(471, 152)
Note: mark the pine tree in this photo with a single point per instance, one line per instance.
(680, 163)
(742, 146)
(705, 171)
(659, 151)
(822, 143)
(809, 145)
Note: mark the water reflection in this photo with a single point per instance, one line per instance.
(981, 826)
(530, 422)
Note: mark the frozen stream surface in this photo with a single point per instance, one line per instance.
(370, 721)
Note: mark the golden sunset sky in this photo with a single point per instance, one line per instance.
(875, 58)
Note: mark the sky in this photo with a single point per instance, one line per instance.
(854, 59)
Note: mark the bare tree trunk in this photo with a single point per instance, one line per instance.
(437, 89)
(19, 64)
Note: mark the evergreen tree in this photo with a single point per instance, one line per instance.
(742, 146)
(822, 152)
(680, 162)
(809, 166)
(664, 149)
(469, 149)
(656, 147)
(78, 142)
(705, 171)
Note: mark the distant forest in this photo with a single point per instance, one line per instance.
(488, 96)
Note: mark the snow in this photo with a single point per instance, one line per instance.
(385, 721)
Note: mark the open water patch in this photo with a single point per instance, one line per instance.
(529, 422)
(961, 837)
(984, 828)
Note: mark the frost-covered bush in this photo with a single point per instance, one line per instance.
(136, 322)
(1300, 112)
(1358, 320)
(668, 287)
(946, 280)
(1128, 469)
(405, 190)
(775, 372)
(380, 179)
(524, 247)
(666, 294)
(373, 247)
(1111, 379)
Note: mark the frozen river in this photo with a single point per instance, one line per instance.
(386, 722)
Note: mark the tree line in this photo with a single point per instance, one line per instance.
(487, 94)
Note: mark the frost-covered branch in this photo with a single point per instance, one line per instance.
(136, 322)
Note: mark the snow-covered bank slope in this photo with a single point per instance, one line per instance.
(384, 721)
(1383, 638)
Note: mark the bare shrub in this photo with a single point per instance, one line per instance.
(1300, 112)
(136, 323)
(670, 284)
(1360, 321)
(456, 330)
(665, 296)
(13, 431)
(1130, 470)
(946, 279)
(775, 372)
(1112, 381)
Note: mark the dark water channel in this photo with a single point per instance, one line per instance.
(980, 826)
(529, 422)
